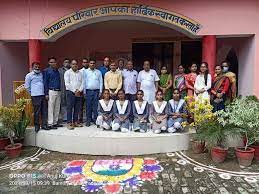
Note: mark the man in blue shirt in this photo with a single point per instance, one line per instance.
(105, 67)
(34, 85)
(52, 86)
(93, 84)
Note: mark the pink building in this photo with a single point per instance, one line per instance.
(167, 32)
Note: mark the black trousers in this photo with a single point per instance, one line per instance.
(40, 109)
(81, 111)
(73, 107)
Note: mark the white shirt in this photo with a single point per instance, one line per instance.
(119, 70)
(73, 80)
(130, 81)
(82, 70)
(200, 84)
(147, 84)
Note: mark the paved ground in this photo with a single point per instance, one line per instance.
(183, 172)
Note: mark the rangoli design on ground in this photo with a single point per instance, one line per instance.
(112, 176)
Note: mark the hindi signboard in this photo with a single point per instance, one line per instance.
(145, 11)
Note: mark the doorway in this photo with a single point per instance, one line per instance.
(233, 60)
(191, 51)
(159, 54)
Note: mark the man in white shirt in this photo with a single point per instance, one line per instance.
(85, 64)
(148, 82)
(120, 65)
(93, 82)
(74, 88)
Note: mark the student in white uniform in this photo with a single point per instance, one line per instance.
(203, 83)
(158, 113)
(141, 113)
(148, 82)
(121, 112)
(177, 112)
(105, 111)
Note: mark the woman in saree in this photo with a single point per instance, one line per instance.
(190, 79)
(179, 81)
(232, 91)
(121, 112)
(165, 83)
(105, 111)
(220, 87)
(158, 113)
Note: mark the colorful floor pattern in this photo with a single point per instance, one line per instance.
(112, 176)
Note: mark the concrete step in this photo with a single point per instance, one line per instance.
(94, 141)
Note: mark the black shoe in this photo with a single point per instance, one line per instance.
(45, 127)
(37, 128)
(87, 124)
(52, 127)
(58, 125)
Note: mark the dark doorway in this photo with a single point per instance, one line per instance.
(158, 54)
(191, 51)
(233, 60)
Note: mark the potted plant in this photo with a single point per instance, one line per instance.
(22, 124)
(243, 116)
(215, 136)
(201, 111)
(4, 140)
(9, 117)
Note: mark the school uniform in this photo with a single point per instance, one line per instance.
(175, 107)
(107, 111)
(120, 111)
(158, 112)
(140, 112)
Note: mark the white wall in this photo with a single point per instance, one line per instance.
(246, 61)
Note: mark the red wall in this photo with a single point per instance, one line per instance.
(113, 36)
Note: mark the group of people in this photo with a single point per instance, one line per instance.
(117, 97)
(215, 89)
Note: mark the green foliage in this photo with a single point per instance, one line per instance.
(243, 116)
(212, 132)
(11, 118)
(21, 126)
(3, 132)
